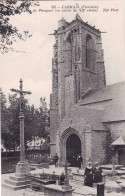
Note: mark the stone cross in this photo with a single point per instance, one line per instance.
(66, 169)
(66, 181)
(21, 117)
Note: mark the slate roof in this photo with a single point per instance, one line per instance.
(97, 117)
(108, 92)
(115, 111)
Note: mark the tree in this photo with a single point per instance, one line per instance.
(40, 122)
(5, 133)
(11, 137)
(36, 122)
(9, 33)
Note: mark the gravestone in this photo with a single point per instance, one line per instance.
(57, 190)
(100, 189)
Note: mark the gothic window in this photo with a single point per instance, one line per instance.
(69, 37)
(89, 52)
(77, 53)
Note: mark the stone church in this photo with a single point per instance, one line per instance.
(87, 117)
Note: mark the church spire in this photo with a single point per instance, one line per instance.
(77, 17)
(62, 22)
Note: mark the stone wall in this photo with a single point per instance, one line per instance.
(69, 91)
(99, 146)
(117, 129)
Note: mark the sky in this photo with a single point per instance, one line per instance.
(34, 63)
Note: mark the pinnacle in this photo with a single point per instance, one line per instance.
(77, 17)
(62, 18)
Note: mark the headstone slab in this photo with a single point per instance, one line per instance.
(56, 190)
(100, 189)
(78, 176)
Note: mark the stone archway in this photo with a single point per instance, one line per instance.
(68, 135)
(73, 149)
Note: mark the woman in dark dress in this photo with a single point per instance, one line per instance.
(89, 175)
(97, 173)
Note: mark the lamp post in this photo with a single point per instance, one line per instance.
(22, 167)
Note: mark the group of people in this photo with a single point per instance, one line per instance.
(76, 161)
(93, 174)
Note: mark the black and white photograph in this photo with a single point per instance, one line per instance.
(62, 98)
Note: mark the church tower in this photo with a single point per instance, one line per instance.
(77, 67)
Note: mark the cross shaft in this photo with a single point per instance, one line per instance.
(21, 117)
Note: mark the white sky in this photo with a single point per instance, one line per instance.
(34, 66)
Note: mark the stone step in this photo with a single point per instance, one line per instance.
(12, 187)
(123, 177)
(17, 183)
(20, 175)
(120, 172)
(109, 167)
(122, 184)
(122, 168)
(17, 179)
(120, 180)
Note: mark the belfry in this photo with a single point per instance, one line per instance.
(79, 119)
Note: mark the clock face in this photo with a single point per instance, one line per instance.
(77, 53)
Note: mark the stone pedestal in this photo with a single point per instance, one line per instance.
(15, 182)
(19, 180)
(56, 190)
(22, 168)
(66, 185)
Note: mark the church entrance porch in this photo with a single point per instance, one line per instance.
(73, 149)
(71, 145)
(119, 148)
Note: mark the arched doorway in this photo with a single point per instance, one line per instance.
(73, 149)
(121, 156)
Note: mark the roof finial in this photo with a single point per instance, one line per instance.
(77, 17)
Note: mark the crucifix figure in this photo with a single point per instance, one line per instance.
(21, 117)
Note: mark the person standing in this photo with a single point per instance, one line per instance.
(80, 161)
(55, 159)
(88, 175)
(97, 173)
(73, 161)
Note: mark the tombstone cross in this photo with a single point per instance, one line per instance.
(66, 169)
(21, 117)
(66, 181)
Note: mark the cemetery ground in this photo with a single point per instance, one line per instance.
(76, 180)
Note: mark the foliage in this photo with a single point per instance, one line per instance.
(9, 33)
(5, 133)
(35, 124)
